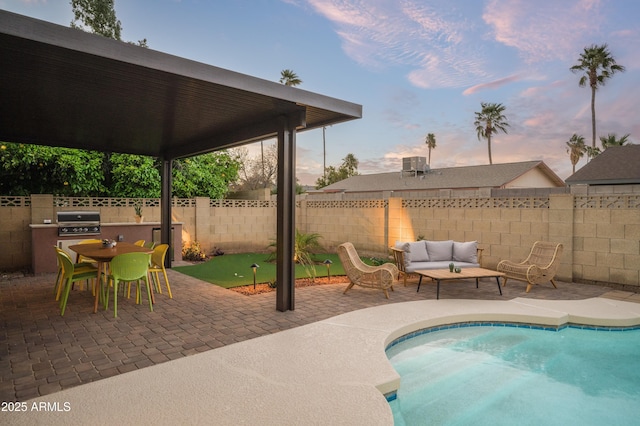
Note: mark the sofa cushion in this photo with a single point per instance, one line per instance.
(465, 252)
(440, 250)
(417, 252)
(401, 245)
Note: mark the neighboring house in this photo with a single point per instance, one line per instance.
(616, 165)
(465, 181)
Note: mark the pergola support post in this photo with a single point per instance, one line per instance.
(165, 208)
(286, 227)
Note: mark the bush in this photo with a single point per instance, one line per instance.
(193, 252)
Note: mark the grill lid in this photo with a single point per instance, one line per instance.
(78, 216)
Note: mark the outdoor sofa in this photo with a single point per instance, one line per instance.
(412, 256)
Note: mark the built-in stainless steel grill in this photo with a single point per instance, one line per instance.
(78, 223)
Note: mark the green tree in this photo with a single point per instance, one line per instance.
(206, 175)
(33, 169)
(134, 176)
(430, 140)
(348, 168)
(96, 16)
(575, 149)
(289, 78)
(488, 121)
(612, 140)
(598, 66)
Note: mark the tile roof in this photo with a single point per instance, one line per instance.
(615, 165)
(469, 177)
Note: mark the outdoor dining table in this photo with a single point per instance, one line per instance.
(103, 255)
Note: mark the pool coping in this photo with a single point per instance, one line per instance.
(333, 371)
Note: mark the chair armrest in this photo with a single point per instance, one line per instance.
(398, 258)
(479, 254)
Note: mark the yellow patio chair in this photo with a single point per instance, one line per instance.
(83, 259)
(539, 267)
(382, 277)
(157, 266)
(70, 275)
(139, 243)
(127, 268)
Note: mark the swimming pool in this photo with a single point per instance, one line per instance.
(495, 375)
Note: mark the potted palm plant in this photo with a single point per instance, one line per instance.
(138, 210)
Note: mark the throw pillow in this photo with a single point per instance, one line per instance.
(418, 251)
(465, 252)
(440, 250)
(407, 254)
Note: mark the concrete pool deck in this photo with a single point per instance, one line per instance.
(333, 371)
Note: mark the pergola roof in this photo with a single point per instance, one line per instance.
(64, 87)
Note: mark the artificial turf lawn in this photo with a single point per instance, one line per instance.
(234, 270)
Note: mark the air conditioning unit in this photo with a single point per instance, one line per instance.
(414, 164)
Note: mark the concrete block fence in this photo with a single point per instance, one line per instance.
(600, 229)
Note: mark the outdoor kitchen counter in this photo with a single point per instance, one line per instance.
(45, 236)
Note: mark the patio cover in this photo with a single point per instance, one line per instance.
(65, 87)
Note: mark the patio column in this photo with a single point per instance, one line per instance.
(165, 207)
(286, 228)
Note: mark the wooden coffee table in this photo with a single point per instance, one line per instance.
(444, 274)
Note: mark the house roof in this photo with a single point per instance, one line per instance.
(615, 165)
(469, 177)
(64, 87)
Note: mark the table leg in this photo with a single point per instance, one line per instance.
(476, 282)
(438, 290)
(499, 288)
(419, 282)
(99, 295)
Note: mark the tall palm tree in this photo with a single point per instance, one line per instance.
(598, 66)
(576, 149)
(430, 140)
(289, 78)
(489, 121)
(612, 140)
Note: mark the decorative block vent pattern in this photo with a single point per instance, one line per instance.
(348, 204)
(242, 203)
(117, 202)
(485, 203)
(607, 202)
(10, 201)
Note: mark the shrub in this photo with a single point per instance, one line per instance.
(192, 251)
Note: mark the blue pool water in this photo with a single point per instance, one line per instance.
(497, 375)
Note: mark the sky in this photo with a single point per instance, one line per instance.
(416, 67)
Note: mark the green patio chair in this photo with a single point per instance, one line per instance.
(71, 274)
(127, 268)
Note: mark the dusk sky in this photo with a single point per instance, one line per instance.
(416, 67)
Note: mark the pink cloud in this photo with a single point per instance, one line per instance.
(492, 84)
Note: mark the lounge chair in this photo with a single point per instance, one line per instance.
(382, 277)
(539, 267)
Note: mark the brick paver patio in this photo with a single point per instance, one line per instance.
(42, 352)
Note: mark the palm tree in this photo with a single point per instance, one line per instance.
(612, 140)
(489, 121)
(289, 78)
(576, 149)
(430, 140)
(598, 66)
